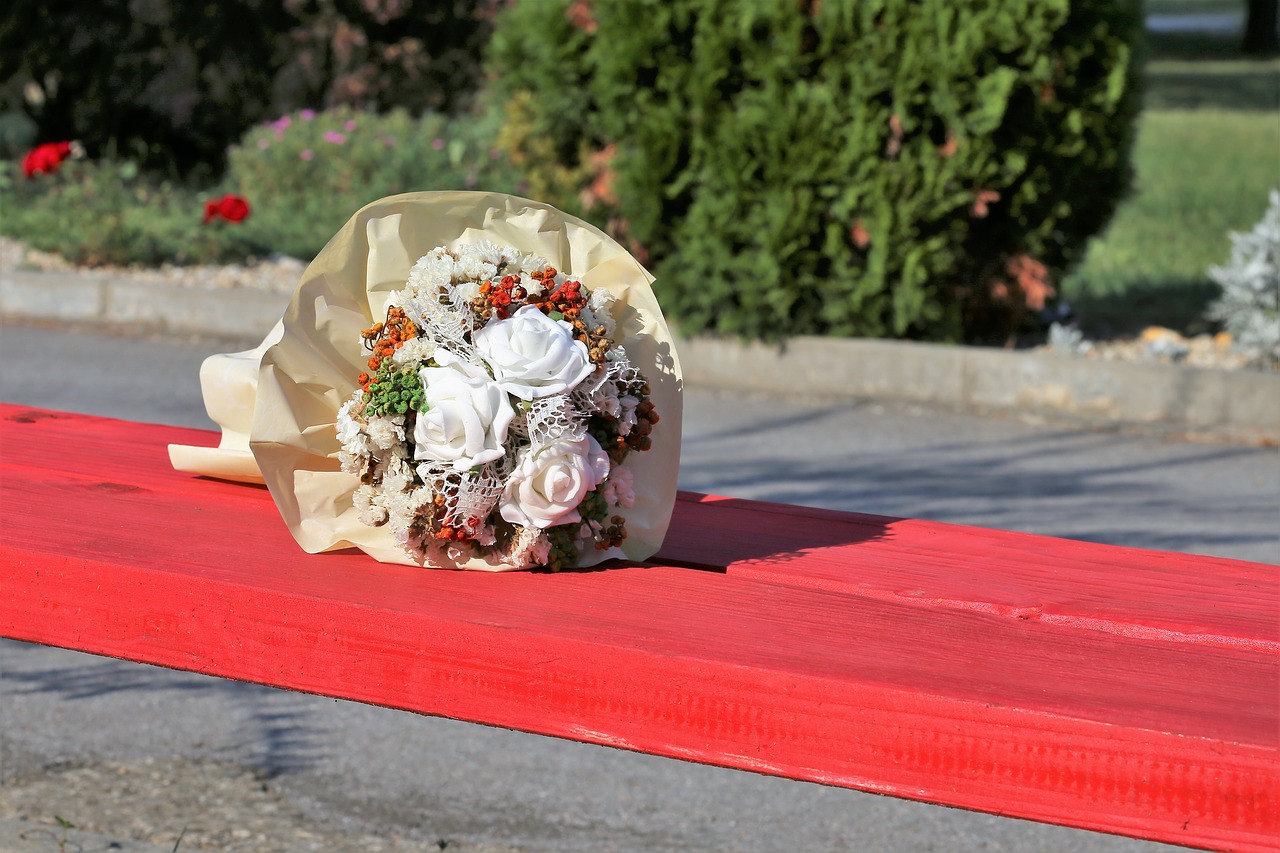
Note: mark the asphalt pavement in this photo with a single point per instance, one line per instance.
(253, 768)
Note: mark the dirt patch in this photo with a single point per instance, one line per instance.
(175, 804)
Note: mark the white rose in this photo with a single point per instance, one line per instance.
(466, 417)
(532, 355)
(550, 481)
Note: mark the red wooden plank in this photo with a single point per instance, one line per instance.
(1128, 591)
(1139, 593)
(795, 670)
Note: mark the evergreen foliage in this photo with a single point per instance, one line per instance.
(1250, 303)
(847, 167)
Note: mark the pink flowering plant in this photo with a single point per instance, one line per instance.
(496, 414)
(306, 169)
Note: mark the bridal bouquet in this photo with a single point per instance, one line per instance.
(495, 414)
(461, 380)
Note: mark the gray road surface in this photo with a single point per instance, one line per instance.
(133, 751)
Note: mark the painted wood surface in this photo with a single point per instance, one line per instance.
(1128, 691)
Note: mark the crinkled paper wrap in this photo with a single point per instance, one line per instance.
(277, 404)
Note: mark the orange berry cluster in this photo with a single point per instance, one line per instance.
(495, 300)
(563, 298)
(444, 532)
(454, 534)
(568, 300)
(383, 339)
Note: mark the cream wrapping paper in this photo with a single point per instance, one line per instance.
(277, 404)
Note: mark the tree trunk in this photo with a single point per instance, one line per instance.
(1261, 30)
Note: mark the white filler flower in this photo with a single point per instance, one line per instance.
(550, 481)
(533, 355)
(466, 417)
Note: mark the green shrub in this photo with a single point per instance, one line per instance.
(306, 173)
(849, 167)
(110, 212)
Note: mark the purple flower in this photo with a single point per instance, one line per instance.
(307, 115)
(437, 143)
(334, 137)
(306, 154)
(350, 125)
(281, 123)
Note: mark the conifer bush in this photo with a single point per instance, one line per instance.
(846, 167)
(1249, 306)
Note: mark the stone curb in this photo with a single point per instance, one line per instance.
(1237, 405)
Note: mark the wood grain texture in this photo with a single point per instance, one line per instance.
(1107, 688)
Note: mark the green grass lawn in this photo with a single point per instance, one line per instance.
(1192, 7)
(1230, 84)
(1200, 175)
(1207, 154)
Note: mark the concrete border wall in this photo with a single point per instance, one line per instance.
(1236, 405)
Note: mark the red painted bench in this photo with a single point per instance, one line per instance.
(1128, 691)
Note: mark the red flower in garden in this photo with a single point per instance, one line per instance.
(233, 208)
(45, 159)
